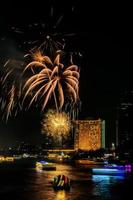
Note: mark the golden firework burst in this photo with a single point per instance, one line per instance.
(56, 124)
(52, 79)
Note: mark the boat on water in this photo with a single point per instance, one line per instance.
(43, 165)
(112, 170)
(89, 162)
(61, 182)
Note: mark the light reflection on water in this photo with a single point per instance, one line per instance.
(29, 184)
(103, 184)
(61, 195)
(107, 178)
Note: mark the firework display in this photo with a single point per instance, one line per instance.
(52, 78)
(56, 124)
(44, 73)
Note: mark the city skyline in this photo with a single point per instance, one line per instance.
(102, 56)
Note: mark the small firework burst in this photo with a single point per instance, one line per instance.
(56, 124)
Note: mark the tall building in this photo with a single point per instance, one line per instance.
(90, 135)
(124, 131)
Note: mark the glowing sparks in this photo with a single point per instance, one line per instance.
(11, 88)
(56, 124)
(52, 79)
(46, 77)
(39, 57)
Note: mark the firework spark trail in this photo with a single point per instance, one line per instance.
(55, 77)
(10, 104)
(6, 76)
(38, 60)
(11, 84)
(6, 63)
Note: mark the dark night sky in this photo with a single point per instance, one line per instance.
(106, 64)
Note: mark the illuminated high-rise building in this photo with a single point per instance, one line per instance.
(125, 120)
(90, 135)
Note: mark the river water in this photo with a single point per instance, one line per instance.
(24, 183)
